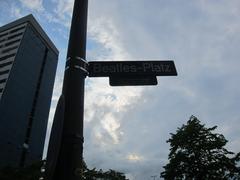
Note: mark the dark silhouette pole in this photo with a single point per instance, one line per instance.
(71, 152)
(154, 177)
(65, 154)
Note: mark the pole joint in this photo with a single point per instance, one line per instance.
(77, 63)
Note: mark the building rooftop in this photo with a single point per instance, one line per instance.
(30, 19)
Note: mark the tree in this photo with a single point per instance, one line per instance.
(198, 153)
(36, 170)
(94, 174)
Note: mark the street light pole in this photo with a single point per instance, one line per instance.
(154, 177)
(68, 162)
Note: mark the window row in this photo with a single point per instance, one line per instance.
(12, 30)
(9, 43)
(7, 56)
(4, 72)
(9, 49)
(11, 37)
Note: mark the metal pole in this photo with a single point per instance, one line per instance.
(69, 161)
(154, 177)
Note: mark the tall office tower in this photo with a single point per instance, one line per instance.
(28, 61)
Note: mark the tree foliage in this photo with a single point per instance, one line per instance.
(33, 172)
(94, 174)
(198, 153)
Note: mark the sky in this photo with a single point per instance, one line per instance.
(126, 128)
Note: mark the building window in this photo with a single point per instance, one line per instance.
(4, 39)
(12, 42)
(5, 64)
(3, 81)
(4, 34)
(7, 56)
(4, 72)
(16, 35)
(9, 49)
(18, 29)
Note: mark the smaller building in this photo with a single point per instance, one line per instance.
(28, 62)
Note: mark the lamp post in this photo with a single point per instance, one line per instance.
(65, 154)
(154, 177)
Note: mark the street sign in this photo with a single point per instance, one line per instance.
(132, 80)
(131, 68)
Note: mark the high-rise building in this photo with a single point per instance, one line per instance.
(28, 61)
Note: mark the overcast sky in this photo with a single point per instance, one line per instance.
(126, 128)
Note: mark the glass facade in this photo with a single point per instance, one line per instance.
(9, 43)
(27, 73)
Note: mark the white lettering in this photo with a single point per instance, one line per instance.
(97, 68)
(146, 66)
(149, 67)
(133, 68)
(126, 68)
(167, 68)
(105, 69)
(157, 68)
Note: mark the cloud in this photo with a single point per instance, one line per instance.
(16, 12)
(126, 128)
(62, 12)
(202, 40)
(104, 32)
(34, 5)
(134, 158)
(110, 124)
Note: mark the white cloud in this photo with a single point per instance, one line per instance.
(104, 31)
(104, 103)
(63, 11)
(111, 125)
(134, 157)
(104, 106)
(16, 12)
(34, 5)
(57, 88)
